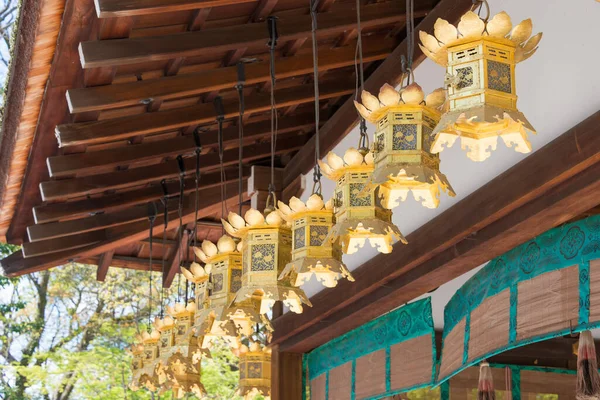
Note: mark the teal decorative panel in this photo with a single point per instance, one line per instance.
(570, 245)
(405, 323)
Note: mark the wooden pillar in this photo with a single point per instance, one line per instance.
(286, 375)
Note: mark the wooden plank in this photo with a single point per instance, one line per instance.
(132, 93)
(550, 186)
(136, 50)
(125, 127)
(111, 202)
(390, 71)
(49, 246)
(69, 165)
(65, 228)
(103, 264)
(111, 238)
(130, 8)
(93, 184)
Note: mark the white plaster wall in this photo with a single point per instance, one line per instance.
(558, 87)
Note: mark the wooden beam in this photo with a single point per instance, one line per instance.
(130, 8)
(87, 133)
(137, 50)
(546, 189)
(176, 258)
(54, 230)
(390, 71)
(93, 184)
(111, 238)
(82, 163)
(111, 202)
(103, 265)
(138, 92)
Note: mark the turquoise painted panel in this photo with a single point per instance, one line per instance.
(573, 244)
(558, 248)
(404, 323)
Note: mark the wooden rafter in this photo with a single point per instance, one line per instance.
(110, 202)
(125, 127)
(71, 164)
(177, 256)
(127, 94)
(51, 254)
(103, 264)
(130, 8)
(93, 184)
(547, 188)
(136, 50)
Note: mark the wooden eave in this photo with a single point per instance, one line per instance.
(129, 82)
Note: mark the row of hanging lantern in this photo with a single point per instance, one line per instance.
(281, 249)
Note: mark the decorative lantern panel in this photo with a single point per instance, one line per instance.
(403, 162)
(480, 59)
(185, 374)
(266, 249)
(311, 253)
(359, 213)
(255, 372)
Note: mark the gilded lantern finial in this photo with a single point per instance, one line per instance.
(480, 58)
(403, 161)
(311, 254)
(359, 213)
(266, 249)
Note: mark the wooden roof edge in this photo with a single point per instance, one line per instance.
(26, 82)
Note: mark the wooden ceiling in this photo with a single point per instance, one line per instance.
(130, 82)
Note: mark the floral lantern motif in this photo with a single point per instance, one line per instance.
(480, 57)
(255, 371)
(266, 249)
(359, 213)
(311, 222)
(403, 161)
(225, 265)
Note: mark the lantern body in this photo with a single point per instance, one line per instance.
(225, 265)
(255, 374)
(185, 374)
(480, 66)
(402, 157)
(359, 213)
(311, 253)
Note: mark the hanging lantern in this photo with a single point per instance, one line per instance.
(184, 373)
(266, 249)
(402, 157)
(359, 213)
(225, 265)
(480, 58)
(311, 254)
(137, 363)
(149, 342)
(255, 371)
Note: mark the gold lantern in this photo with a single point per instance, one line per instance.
(137, 362)
(402, 157)
(359, 213)
(185, 342)
(255, 371)
(147, 375)
(225, 265)
(311, 254)
(266, 249)
(184, 374)
(480, 58)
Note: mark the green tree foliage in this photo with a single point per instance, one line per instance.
(63, 336)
